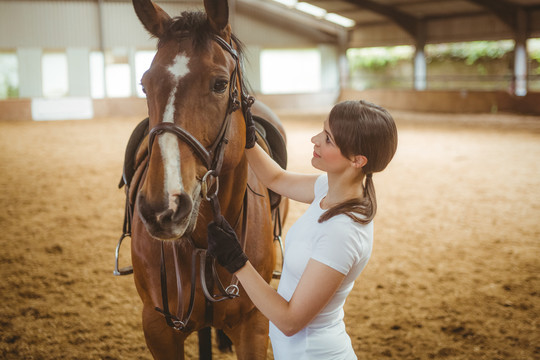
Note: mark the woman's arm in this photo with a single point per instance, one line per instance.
(295, 186)
(317, 285)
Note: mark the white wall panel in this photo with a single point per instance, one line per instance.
(123, 28)
(255, 32)
(30, 75)
(48, 24)
(62, 24)
(78, 71)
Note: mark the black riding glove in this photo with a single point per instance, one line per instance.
(251, 132)
(224, 246)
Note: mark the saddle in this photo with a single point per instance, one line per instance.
(136, 157)
(136, 154)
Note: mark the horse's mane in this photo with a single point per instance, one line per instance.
(194, 24)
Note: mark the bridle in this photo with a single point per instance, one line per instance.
(212, 159)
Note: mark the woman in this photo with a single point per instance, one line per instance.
(329, 246)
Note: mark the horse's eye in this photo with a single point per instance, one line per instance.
(220, 86)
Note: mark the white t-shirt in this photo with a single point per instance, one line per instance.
(339, 243)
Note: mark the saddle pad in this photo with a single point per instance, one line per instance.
(274, 139)
(136, 138)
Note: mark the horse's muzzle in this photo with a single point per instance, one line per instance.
(166, 220)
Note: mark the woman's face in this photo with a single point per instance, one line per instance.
(326, 154)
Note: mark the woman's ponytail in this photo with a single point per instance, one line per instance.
(370, 198)
(361, 211)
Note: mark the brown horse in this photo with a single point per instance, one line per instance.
(197, 108)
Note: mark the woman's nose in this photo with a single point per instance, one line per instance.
(314, 139)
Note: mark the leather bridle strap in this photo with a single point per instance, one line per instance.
(204, 155)
(172, 320)
(232, 290)
(212, 159)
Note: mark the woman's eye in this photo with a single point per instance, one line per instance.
(220, 86)
(143, 89)
(328, 139)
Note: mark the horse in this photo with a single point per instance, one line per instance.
(188, 170)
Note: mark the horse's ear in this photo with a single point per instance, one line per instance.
(217, 12)
(154, 18)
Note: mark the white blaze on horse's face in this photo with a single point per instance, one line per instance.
(168, 143)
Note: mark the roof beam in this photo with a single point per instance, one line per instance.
(407, 22)
(506, 11)
(278, 15)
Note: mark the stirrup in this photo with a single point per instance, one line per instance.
(125, 270)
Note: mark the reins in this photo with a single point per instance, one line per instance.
(229, 292)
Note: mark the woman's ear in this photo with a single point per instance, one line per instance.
(359, 161)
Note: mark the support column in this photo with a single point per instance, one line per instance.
(520, 68)
(78, 60)
(330, 76)
(420, 73)
(420, 69)
(133, 71)
(520, 55)
(252, 67)
(30, 73)
(101, 27)
(232, 15)
(343, 62)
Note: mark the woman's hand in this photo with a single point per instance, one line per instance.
(224, 246)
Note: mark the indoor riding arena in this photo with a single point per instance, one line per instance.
(455, 270)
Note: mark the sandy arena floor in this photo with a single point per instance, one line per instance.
(454, 273)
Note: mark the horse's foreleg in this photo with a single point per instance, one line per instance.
(205, 343)
(164, 343)
(250, 338)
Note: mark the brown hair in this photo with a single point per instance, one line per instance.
(362, 128)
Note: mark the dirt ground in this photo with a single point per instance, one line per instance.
(455, 271)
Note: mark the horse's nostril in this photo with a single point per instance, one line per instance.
(183, 206)
(165, 216)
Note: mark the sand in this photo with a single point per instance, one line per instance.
(454, 272)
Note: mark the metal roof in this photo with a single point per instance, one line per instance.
(393, 22)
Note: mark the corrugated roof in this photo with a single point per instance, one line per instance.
(432, 20)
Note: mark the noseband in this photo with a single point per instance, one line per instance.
(212, 158)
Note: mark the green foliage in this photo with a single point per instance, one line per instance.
(533, 46)
(469, 52)
(12, 92)
(535, 55)
(9, 80)
(378, 58)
